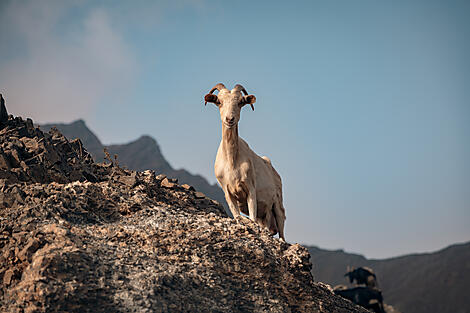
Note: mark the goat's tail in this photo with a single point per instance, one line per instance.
(266, 159)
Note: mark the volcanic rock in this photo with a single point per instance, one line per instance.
(78, 236)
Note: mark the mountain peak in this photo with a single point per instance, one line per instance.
(146, 139)
(79, 122)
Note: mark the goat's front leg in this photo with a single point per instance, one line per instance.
(231, 204)
(252, 205)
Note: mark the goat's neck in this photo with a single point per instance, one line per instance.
(230, 143)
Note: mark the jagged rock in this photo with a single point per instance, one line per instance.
(129, 180)
(3, 110)
(4, 163)
(199, 195)
(8, 276)
(161, 177)
(78, 236)
(167, 183)
(188, 187)
(27, 154)
(31, 247)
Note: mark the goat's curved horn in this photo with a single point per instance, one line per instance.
(239, 87)
(219, 87)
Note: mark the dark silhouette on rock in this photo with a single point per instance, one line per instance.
(367, 297)
(3, 110)
(77, 236)
(412, 283)
(362, 276)
(365, 292)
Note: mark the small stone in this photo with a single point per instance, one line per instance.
(54, 229)
(23, 165)
(160, 177)
(7, 277)
(4, 163)
(30, 144)
(31, 247)
(199, 195)
(129, 180)
(15, 158)
(188, 187)
(30, 126)
(167, 184)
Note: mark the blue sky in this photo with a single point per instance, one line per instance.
(363, 106)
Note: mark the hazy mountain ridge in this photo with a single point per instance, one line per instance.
(415, 283)
(141, 154)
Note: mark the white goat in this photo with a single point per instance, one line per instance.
(250, 183)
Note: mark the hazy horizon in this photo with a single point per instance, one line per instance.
(362, 107)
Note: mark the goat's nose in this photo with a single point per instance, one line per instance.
(230, 119)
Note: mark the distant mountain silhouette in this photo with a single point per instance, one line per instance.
(416, 283)
(141, 154)
(78, 129)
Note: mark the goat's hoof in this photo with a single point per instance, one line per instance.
(239, 218)
(243, 220)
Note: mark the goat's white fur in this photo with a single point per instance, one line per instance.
(250, 183)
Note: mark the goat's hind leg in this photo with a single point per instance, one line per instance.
(280, 219)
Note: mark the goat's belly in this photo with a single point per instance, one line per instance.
(269, 194)
(266, 184)
(263, 208)
(239, 192)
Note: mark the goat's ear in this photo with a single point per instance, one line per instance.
(250, 99)
(211, 98)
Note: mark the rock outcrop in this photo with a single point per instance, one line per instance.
(3, 110)
(78, 236)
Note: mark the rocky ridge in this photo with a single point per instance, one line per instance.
(141, 154)
(80, 236)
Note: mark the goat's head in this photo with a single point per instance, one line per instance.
(230, 102)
